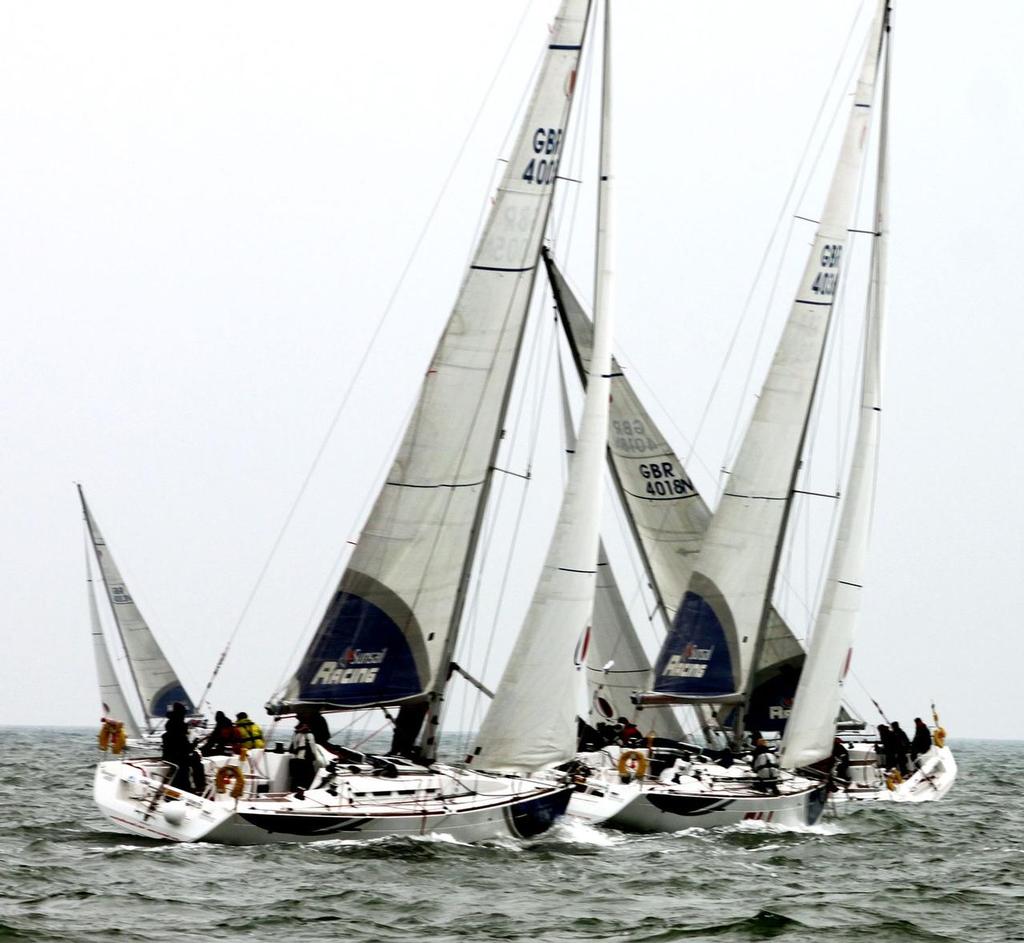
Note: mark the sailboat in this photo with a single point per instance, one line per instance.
(154, 683)
(388, 634)
(725, 622)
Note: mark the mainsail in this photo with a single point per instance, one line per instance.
(389, 630)
(157, 684)
(531, 721)
(667, 516)
(809, 732)
(714, 646)
(112, 698)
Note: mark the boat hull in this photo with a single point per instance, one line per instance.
(714, 797)
(469, 807)
(933, 777)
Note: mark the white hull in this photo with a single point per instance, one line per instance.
(933, 777)
(469, 806)
(713, 797)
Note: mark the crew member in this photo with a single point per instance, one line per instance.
(249, 732)
(922, 741)
(766, 766)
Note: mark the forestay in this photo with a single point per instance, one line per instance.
(810, 729)
(712, 648)
(388, 632)
(157, 684)
(112, 698)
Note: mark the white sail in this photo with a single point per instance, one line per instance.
(531, 722)
(811, 725)
(112, 699)
(158, 685)
(713, 648)
(615, 660)
(668, 519)
(388, 634)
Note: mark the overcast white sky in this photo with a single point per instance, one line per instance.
(204, 209)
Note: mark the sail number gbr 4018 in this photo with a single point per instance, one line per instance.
(825, 281)
(542, 170)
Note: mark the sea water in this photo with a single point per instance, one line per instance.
(949, 870)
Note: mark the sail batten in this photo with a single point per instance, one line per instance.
(388, 634)
(715, 643)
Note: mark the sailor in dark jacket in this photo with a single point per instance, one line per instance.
(922, 741)
(900, 746)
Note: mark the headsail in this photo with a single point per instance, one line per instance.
(155, 679)
(389, 630)
(713, 648)
(615, 660)
(531, 722)
(810, 729)
(112, 699)
(667, 515)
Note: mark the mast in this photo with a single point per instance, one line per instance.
(811, 726)
(714, 648)
(531, 721)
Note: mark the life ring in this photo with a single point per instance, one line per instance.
(939, 737)
(632, 763)
(112, 736)
(230, 772)
(894, 778)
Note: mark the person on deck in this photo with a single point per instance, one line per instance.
(765, 766)
(840, 761)
(305, 757)
(223, 739)
(629, 733)
(176, 746)
(922, 741)
(317, 724)
(249, 732)
(884, 747)
(901, 747)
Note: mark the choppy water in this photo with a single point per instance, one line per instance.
(952, 870)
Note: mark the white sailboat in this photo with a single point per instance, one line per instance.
(387, 637)
(721, 629)
(154, 683)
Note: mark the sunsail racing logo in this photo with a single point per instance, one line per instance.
(691, 663)
(354, 667)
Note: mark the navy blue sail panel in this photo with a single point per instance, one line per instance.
(169, 695)
(772, 698)
(361, 655)
(695, 659)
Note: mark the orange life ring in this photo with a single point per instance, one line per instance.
(632, 763)
(894, 778)
(230, 772)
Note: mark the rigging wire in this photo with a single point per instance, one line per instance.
(371, 343)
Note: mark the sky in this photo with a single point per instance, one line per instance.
(230, 234)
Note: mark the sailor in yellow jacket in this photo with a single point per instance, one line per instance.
(249, 732)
